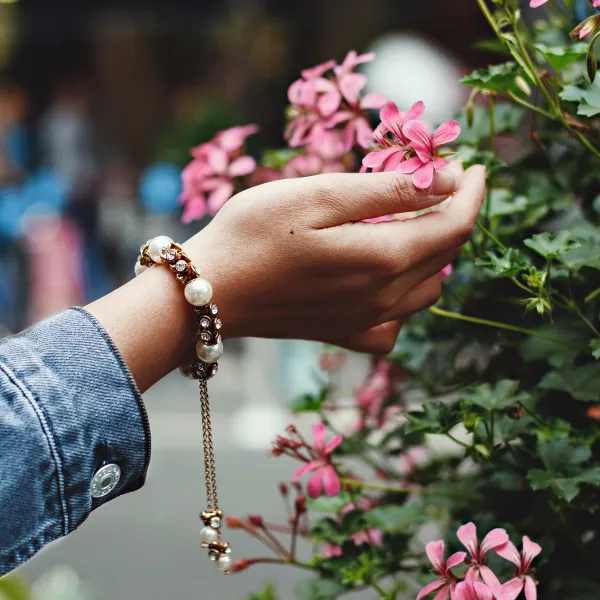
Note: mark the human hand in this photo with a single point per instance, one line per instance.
(294, 259)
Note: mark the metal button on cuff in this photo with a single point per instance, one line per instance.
(105, 481)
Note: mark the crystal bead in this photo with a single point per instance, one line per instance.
(170, 255)
(214, 555)
(205, 322)
(180, 266)
(214, 370)
(205, 336)
(218, 323)
(214, 309)
(215, 523)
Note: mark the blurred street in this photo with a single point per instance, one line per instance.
(146, 546)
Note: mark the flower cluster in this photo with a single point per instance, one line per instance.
(479, 581)
(404, 144)
(209, 179)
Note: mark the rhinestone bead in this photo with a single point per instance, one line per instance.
(215, 523)
(170, 255)
(214, 309)
(180, 266)
(214, 555)
(205, 336)
(214, 370)
(205, 322)
(218, 323)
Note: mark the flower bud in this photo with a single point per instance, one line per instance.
(256, 520)
(284, 490)
(291, 429)
(586, 27)
(300, 505)
(240, 565)
(234, 523)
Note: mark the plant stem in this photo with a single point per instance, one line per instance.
(528, 105)
(593, 295)
(490, 235)
(498, 325)
(457, 441)
(379, 589)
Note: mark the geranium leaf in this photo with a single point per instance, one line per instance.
(319, 589)
(551, 246)
(560, 57)
(583, 383)
(496, 78)
(505, 263)
(436, 417)
(494, 396)
(563, 456)
(396, 518)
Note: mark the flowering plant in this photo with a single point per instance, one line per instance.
(485, 416)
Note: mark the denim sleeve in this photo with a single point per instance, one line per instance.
(68, 405)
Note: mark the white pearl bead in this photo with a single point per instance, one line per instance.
(209, 354)
(157, 245)
(198, 292)
(139, 268)
(224, 563)
(208, 535)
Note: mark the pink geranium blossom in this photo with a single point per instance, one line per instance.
(427, 161)
(587, 27)
(467, 534)
(446, 272)
(536, 3)
(324, 476)
(511, 589)
(446, 582)
(391, 139)
(469, 590)
(373, 536)
(209, 179)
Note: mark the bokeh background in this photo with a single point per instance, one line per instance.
(100, 101)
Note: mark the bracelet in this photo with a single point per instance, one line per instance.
(198, 292)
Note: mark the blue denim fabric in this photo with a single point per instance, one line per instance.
(68, 404)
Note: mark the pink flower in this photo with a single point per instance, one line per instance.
(412, 458)
(536, 3)
(396, 148)
(373, 537)
(446, 272)
(323, 475)
(587, 27)
(209, 179)
(427, 161)
(446, 581)
(469, 590)
(329, 550)
(511, 589)
(467, 534)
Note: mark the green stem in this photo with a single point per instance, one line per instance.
(586, 143)
(379, 589)
(457, 441)
(530, 106)
(490, 235)
(593, 295)
(498, 325)
(492, 434)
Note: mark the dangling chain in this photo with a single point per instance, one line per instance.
(209, 349)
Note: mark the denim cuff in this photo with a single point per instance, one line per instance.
(90, 412)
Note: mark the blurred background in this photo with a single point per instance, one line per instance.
(100, 102)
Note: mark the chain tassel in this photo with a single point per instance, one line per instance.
(162, 250)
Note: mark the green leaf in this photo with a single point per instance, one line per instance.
(503, 202)
(583, 383)
(587, 254)
(319, 589)
(496, 78)
(267, 594)
(494, 396)
(394, 518)
(551, 246)
(329, 504)
(310, 402)
(560, 57)
(278, 157)
(595, 346)
(436, 417)
(507, 119)
(505, 263)
(563, 456)
(589, 99)
(565, 488)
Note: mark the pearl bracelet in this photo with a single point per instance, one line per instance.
(198, 292)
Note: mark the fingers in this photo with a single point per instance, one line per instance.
(340, 198)
(378, 340)
(398, 246)
(419, 298)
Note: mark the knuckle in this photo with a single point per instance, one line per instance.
(463, 232)
(401, 188)
(384, 303)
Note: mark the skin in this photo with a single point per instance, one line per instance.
(294, 259)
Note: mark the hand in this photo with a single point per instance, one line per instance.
(293, 259)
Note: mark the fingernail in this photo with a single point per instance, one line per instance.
(444, 183)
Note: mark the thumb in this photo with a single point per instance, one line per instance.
(339, 198)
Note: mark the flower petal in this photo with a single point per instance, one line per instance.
(194, 209)
(415, 111)
(391, 117)
(306, 468)
(219, 197)
(417, 133)
(511, 589)
(435, 554)
(536, 3)
(509, 551)
(410, 166)
(439, 164)
(350, 85)
(364, 133)
(496, 537)
(530, 589)
(233, 139)
(530, 551)
(319, 430)
(467, 534)
(373, 100)
(377, 158)
(456, 559)
(490, 579)
(331, 481)
(315, 483)
(423, 176)
(317, 71)
(430, 587)
(334, 443)
(445, 133)
(483, 591)
(217, 159)
(391, 164)
(244, 165)
(443, 593)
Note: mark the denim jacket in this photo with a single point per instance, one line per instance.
(68, 407)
